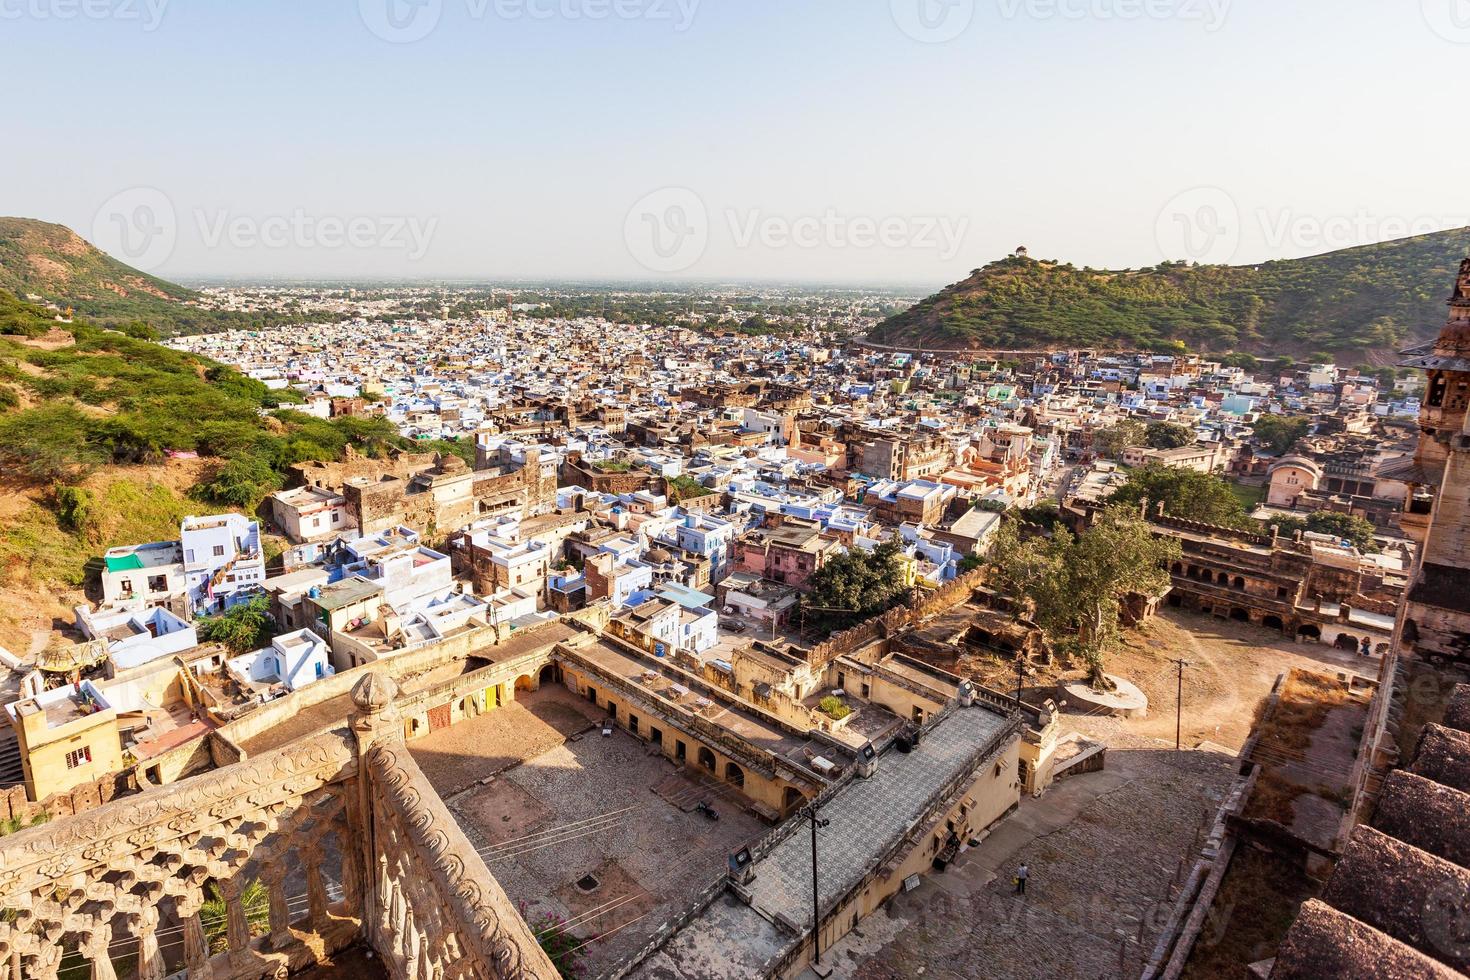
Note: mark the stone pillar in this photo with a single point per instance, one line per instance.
(375, 719)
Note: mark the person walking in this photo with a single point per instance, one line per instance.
(1022, 873)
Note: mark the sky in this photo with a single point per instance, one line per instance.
(844, 141)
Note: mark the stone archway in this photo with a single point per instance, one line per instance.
(734, 774)
(1273, 623)
(1310, 631)
(706, 759)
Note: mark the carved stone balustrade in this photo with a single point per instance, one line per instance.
(263, 868)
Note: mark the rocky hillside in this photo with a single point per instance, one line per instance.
(1361, 302)
(57, 265)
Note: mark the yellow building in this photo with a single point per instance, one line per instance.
(68, 736)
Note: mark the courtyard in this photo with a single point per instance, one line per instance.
(1106, 849)
(598, 833)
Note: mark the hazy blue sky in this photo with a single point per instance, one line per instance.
(880, 140)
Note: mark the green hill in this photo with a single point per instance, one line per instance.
(93, 423)
(57, 266)
(1365, 301)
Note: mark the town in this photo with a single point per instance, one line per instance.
(679, 653)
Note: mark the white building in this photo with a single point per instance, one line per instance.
(291, 661)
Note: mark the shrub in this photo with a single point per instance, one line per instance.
(833, 707)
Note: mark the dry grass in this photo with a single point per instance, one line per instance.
(1256, 904)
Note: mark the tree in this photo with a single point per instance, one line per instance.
(1168, 435)
(1113, 440)
(856, 584)
(254, 898)
(1346, 527)
(1075, 586)
(238, 629)
(1279, 433)
(1185, 493)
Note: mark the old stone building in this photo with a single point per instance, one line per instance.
(1437, 614)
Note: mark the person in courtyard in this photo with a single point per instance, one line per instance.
(1022, 873)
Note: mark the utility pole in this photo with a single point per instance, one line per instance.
(1179, 704)
(811, 814)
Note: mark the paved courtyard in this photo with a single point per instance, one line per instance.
(598, 832)
(1102, 849)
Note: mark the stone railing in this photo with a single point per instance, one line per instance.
(264, 867)
(434, 910)
(133, 876)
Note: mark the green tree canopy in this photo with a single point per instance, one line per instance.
(1168, 435)
(855, 585)
(1185, 493)
(238, 629)
(1279, 433)
(1111, 442)
(1347, 527)
(1075, 585)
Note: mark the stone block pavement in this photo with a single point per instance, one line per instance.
(1103, 849)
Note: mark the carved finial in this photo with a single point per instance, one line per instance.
(1462, 284)
(374, 692)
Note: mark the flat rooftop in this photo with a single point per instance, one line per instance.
(664, 684)
(867, 818)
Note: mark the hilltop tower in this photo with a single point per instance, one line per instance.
(1442, 417)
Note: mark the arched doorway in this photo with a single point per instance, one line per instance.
(525, 683)
(1238, 582)
(1240, 615)
(1273, 623)
(791, 799)
(706, 759)
(1310, 631)
(1346, 641)
(734, 774)
(548, 674)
